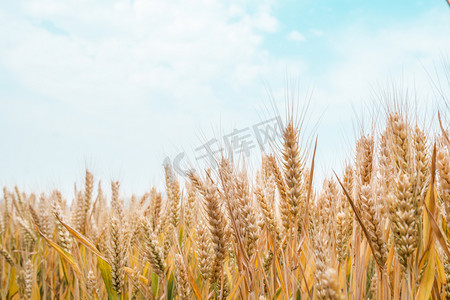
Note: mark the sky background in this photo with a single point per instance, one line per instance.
(117, 86)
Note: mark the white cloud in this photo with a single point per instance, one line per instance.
(149, 73)
(404, 52)
(141, 47)
(296, 36)
(124, 84)
(367, 61)
(316, 32)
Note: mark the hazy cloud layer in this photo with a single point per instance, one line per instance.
(118, 85)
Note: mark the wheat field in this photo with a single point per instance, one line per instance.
(377, 230)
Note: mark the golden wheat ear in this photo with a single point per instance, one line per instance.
(183, 285)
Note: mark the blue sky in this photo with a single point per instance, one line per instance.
(116, 86)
